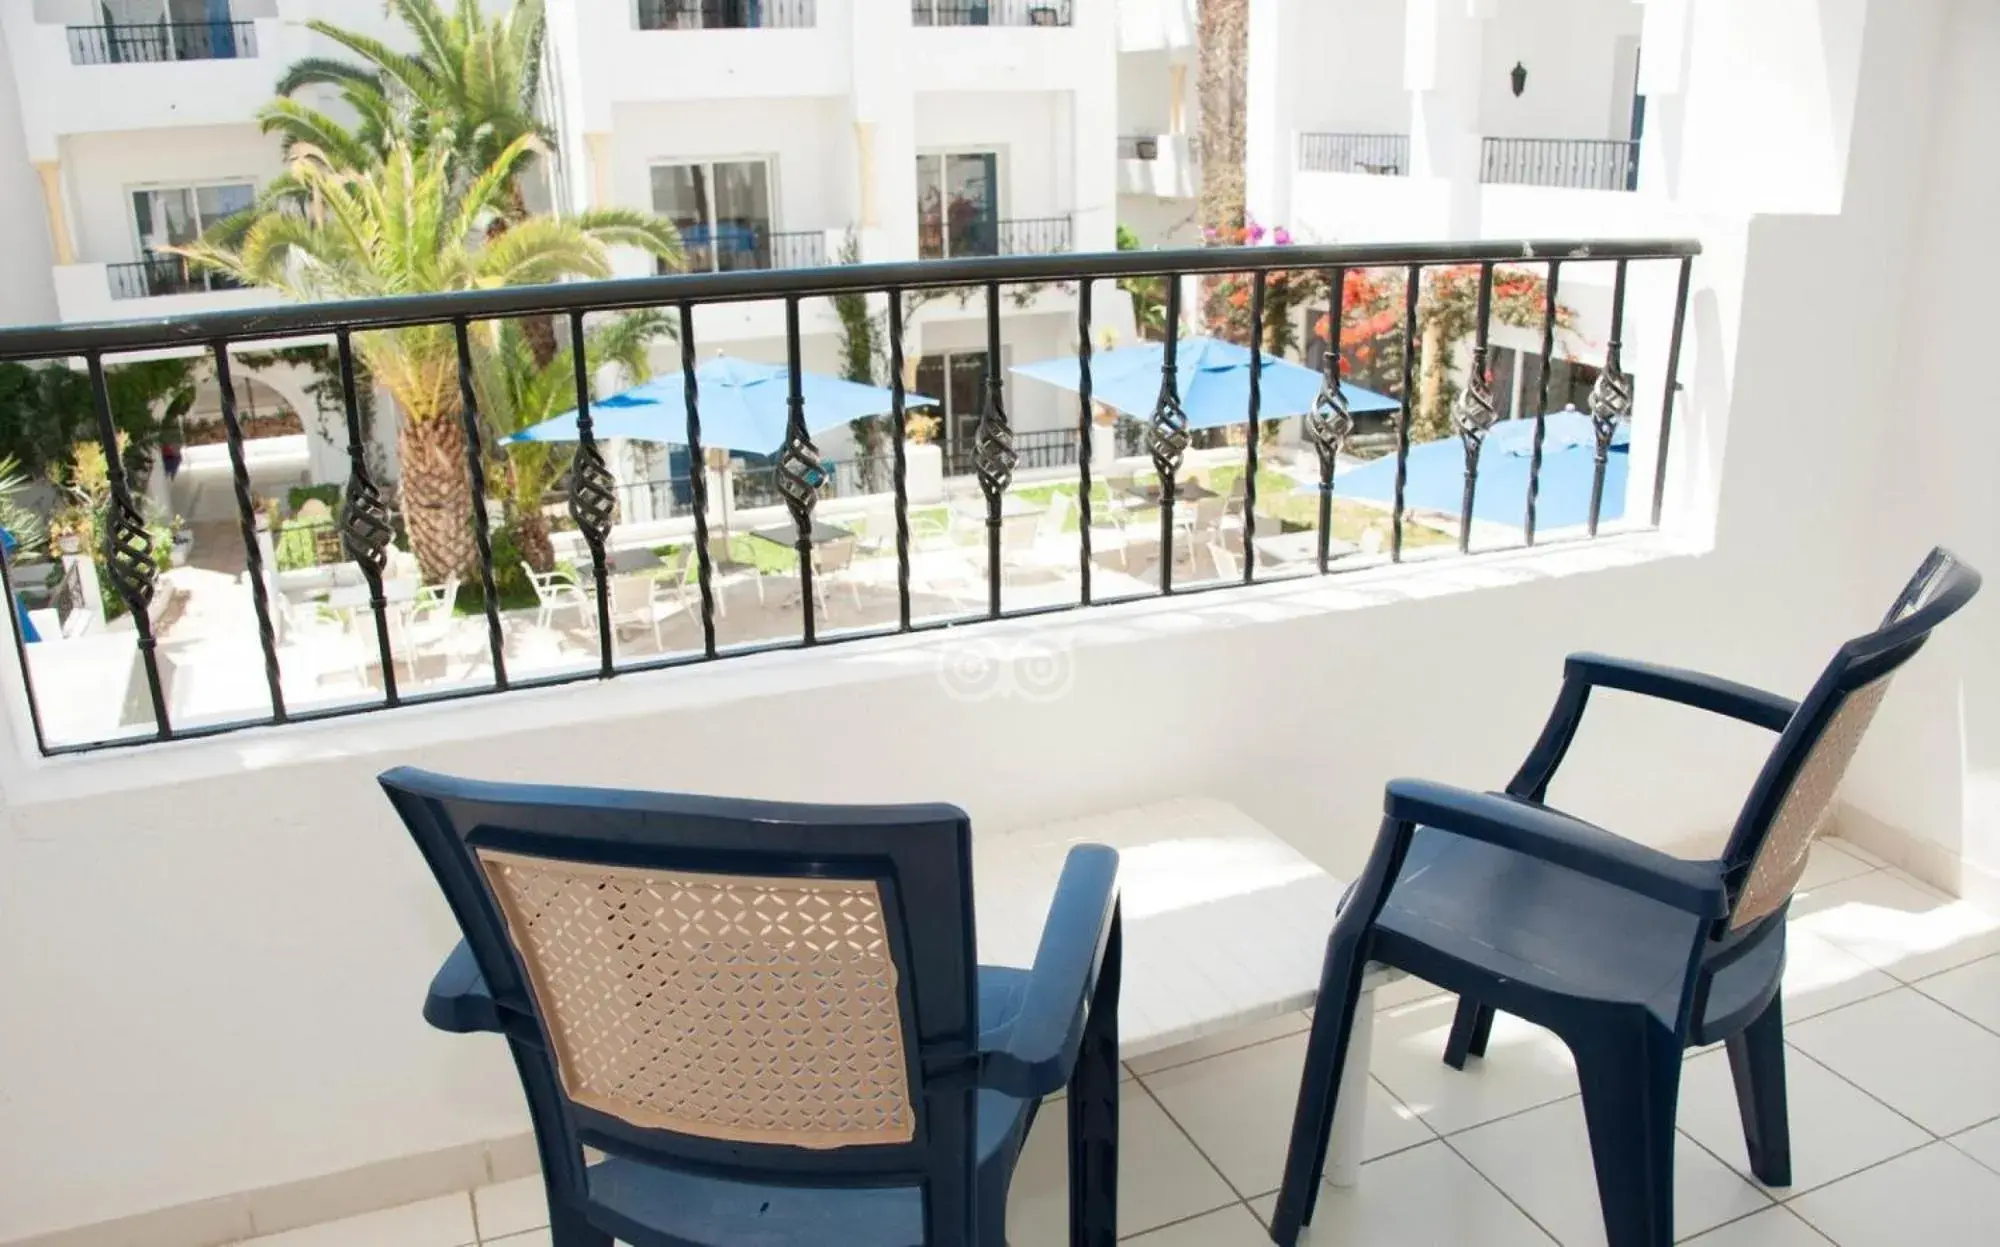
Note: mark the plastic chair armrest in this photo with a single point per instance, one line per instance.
(1552, 836)
(458, 1001)
(1689, 688)
(1034, 1056)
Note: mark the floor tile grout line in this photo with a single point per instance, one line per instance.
(1947, 1006)
(1255, 1043)
(1533, 1220)
(1861, 1089)
(1198, 1151)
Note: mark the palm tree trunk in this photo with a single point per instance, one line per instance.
(436, 495)
(531, 534)
(1223, 52)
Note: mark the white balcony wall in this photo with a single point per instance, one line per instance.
(1578, 86)
(1152, 25)
(1031, 130)
(1344, 69)
(83, 293)
(1362, 207)
(1145, 91)
(102, 170)
(624, 64)
(807, 142)
(1170, 174)
(27, 296)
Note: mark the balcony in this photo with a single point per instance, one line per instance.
(1386, 154)
(162, 275)
(1575, 164)
(991, 12)
(1160, 165)
(727, 14)
(984, 236)
(162, 41)
(749, 250)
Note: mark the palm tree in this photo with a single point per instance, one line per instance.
(515, 392)
(472, 85)
(409, 226)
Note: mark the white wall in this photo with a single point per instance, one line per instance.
(102, 169)
(806, 140)
(1569, 49)
(1030, 130)
(27, 296)
(1345, 69)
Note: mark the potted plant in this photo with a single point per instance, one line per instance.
(183, 541)
(69, 527)
(1148, 148)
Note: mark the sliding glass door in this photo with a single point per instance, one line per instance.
(958, 204)
(722, 209)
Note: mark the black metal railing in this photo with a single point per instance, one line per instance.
(1581, 164)
(986, 236)
(1138, 147)
(727, 14)
(1039, 448)
(162, 274)
(1355, 153)
(367, 528)
(162, 41)
(991, 12)
(752, 250)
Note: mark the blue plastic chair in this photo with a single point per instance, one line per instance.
(768, 1017)
(1628, 954)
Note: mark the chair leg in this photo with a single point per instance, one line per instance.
(1093, 1111)
(1312, 1120)
(1471, 1026)
(567, 1228)
(1757, 1061)
(1629, 1069)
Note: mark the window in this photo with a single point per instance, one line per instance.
(722, 209)
(958, 204)
(161, 30)
(173, 216)
(958, 381)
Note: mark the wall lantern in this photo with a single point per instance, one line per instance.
(1520, 76)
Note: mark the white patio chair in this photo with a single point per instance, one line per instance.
(1201, 521)
(833, 562)
(635, 602)
(557, 591)
(423, 621)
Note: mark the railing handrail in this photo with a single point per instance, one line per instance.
(397, 311)
(205, 24)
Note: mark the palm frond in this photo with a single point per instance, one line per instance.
(315, 71)
(629, 227)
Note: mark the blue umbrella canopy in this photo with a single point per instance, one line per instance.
(743, 406)
(1214, 381)
(1436, 479)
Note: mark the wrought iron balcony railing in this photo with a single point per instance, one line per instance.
(985, 236)
(1040, 448)
(1580, 164)
(162, 274)
(378, 608)
(162, 41)
(991, 12)
(731, 252)
(727, 14)
(1355, 153)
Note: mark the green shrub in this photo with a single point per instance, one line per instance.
(297, 543)
(299, 495)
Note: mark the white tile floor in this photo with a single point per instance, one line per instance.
(1894, 996)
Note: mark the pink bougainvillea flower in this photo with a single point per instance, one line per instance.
(1282, 236)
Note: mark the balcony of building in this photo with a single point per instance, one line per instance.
(1158, 165)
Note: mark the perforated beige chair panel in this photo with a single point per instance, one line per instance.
(1806, 805)
(752, 1010)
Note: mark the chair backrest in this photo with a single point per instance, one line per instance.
(1226, 566)
(1208, 511)
(753, 988)
(1018, 532)
(1050, 523)
(631, 594)
(1793, 796)
(835, 555)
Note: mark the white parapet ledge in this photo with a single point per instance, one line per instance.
(392, 734)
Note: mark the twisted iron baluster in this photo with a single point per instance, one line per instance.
(698, 482)
(1084, 424)
(1330, 422)
(1413, 278)
(799, 472)
(1474, 411)
(365, 530)
(1672, 388)
(1542, 396)
(1167, 435)
(475, 468)
(900, 418)
(593, 493)
(1257, 283)
(253, 551)
(128, 548)
(993, 455)
(1610, 397)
